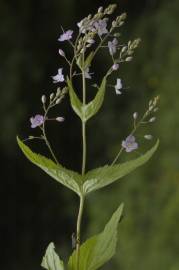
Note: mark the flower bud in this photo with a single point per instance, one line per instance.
(135, 115)
(61, 52)
(151, 120)
(43, 99)
(52, 96)
(58, 93)
(124, 49)
(100, 9)
(148, 137)
(128, 59)
(60, 119)
(58, 101)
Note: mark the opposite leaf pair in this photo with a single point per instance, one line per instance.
(96, 251)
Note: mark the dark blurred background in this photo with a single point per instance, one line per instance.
(35, 209)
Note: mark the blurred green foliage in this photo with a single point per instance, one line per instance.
(36, 210)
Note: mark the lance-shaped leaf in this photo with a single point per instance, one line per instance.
(66, 177)
(98, 249)
(101, 177)
(75, 101)
(51, 260)
(85, 112)
(88, 60)
(93, 106)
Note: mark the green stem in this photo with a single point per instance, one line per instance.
(83, 169)
(84, 126)
(46, 140)
(78, 230)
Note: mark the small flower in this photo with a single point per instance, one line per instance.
(115, 67)
(118, 86)
(60, 119)
(66, 35)
(148, 137)
(87, 74)
(101, 26)
(112, 45)
(59, 77)
(129, 144)
(61, 52)
(36, 121)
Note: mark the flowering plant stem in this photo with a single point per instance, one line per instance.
(80, 213)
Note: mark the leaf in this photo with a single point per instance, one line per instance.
(68, 178)
(51, 260)
(101, 177)
(98, 249)
(75, 101)
(88, 60)
(93, 107)
(85, 112)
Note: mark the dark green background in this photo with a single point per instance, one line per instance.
(35, 209)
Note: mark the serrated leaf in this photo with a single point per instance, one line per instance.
(88, 60)
(101, 177)
(85, 112)
(51, 260)
(98, 249)
(75, 101)
(68, 178)
(93, 106)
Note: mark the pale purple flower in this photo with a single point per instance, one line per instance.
(118, 86)
(37, 121)
(101, 26)
(66, 35)
(87, 74)
(112, 45)
(129, 144)
(59, 77)
(115, 66)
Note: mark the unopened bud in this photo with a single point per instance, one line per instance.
(152, 119)
(148, 137)
(58, 101)
(60, 119)
(156, 109)
(135, 115)
(58, 93)
(124, 49)
(61, 52)
(65, 90)
(128, 59)
(100, 9)
(52, 96)
(43, 99)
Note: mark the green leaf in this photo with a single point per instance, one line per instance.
(88, 60)
(75, 101)
(51, 260)
(93, 107)
(101, 177)
(85, 112)
(98, 249)
(66, 177)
